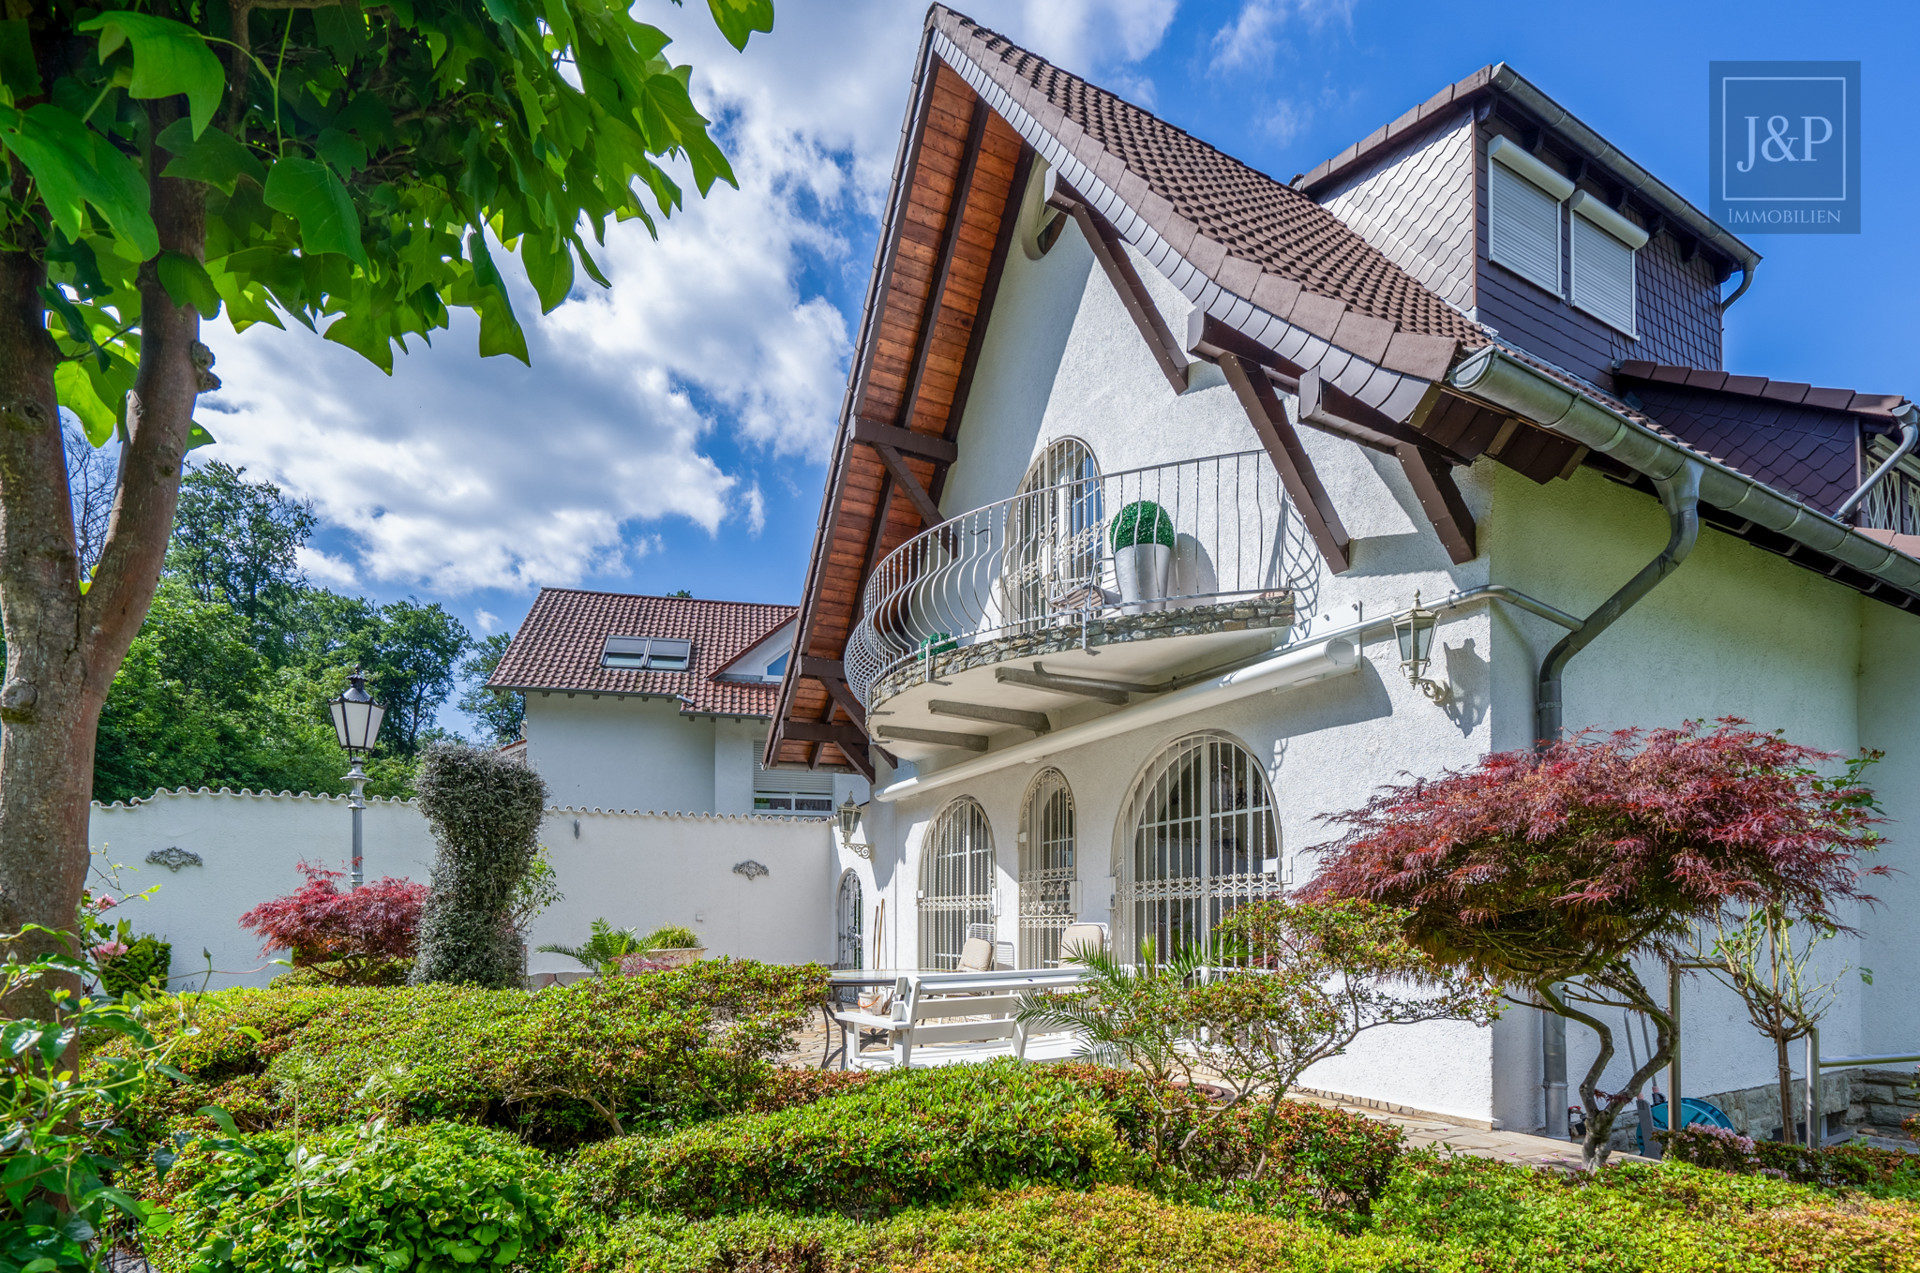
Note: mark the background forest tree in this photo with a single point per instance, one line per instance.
(227, 683)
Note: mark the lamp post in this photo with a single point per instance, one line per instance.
(356, 723)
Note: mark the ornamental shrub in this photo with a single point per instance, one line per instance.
(144, 966)
(568, 1064)
(912, 1138)
(432, 1199)
(670, 937)
(1884, 1173)
(485, 809)
(1141, 522)
(351, 936)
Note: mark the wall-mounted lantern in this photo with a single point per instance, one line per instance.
(848, 815)
(1415, 630)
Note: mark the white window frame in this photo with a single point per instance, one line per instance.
(1048, 866)
(956, 883)
(1508, 160)
(1597, 218)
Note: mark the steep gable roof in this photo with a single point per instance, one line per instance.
(559, 645)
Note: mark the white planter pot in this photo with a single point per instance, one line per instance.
(1140, 572)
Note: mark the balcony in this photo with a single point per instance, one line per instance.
(1075, 594)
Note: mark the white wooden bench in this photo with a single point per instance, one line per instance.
(939, 1018)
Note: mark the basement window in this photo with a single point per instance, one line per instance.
(1523, 213)
(646, 654)
(1604, 244)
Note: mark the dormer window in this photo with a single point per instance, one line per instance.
(1603, 246)
(1523, 214)
(647, 654)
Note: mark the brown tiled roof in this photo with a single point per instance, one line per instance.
(1254, 237)
(1878, 406)
(558, 647)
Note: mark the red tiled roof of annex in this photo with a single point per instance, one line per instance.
(558, 647)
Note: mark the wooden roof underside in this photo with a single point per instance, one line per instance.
(942, 249)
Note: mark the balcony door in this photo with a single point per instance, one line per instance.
(956, 884)
(1053, 535)
(1203, 840)
(1046, 869)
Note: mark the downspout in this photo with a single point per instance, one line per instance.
(1908, 416)
(1680, 494)
(1746, 281)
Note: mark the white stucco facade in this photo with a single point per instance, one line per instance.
(1735, 631)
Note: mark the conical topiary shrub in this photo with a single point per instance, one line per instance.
(485, 810)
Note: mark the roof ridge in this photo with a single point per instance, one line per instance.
(655, 596)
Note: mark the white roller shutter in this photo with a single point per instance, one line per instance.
(1603, 262)
(1523, 227)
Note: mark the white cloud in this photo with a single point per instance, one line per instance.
(324, 568)
(460, 473)
(486, 621)
(1253, 37)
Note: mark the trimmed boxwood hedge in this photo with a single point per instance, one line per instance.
(561, 1066)
(910, 1138)
(432, 1199)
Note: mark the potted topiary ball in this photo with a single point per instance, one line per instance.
(1142, 538)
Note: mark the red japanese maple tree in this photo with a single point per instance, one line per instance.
(1553, 870)
(362, 931)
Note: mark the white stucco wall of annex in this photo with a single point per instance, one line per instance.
(1735, 631)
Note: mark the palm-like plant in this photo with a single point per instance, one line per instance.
(604, 945)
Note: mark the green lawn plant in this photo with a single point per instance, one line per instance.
(670, 937)
(356, 169)
(602, 949)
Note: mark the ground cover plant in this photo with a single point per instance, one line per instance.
(637, 1123)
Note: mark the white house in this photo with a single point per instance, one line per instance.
(659, 704)
(1472, 365)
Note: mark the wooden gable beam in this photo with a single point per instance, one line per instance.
(949, 240)
(905, 481)
(927, 446)
(1269, 417)
(1110, 250)
(831, 674)
(1432, 480)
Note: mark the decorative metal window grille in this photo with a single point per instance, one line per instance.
(850, 951)
(1053, 536)
(1046, 870)
(1203, 841)
(956, 883)
(1894, 501)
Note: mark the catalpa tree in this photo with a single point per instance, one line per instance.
(1552, 871)
(348, 166)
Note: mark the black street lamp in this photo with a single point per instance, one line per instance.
(356, 723)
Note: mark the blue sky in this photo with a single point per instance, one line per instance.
(672, 435)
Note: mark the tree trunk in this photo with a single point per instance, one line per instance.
(1786, 1089)
(63, 646)
(46, 724)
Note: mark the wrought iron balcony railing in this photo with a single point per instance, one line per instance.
(1201, 532)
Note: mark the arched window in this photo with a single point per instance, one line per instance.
(1053, 534)
(849, 951)
(1199, 838)
(956, 883)
(1046, 869)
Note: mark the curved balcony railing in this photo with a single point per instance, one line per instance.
(1066, 554)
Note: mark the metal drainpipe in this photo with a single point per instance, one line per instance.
(1680, 494)
(1908, 417)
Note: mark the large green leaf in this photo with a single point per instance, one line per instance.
(77, 393)
(19, 73)
(168, 57)
(739, 19)
(74, 166)
(500, 331)
(188, 283)
(215, 158)
(307, 191)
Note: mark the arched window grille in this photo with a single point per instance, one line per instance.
(1046, 869)
(956, 883)
(1053, 534)
(1199, 838)
(850, 952)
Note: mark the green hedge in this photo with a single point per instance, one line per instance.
(912, 1138)
(426, 1199)
(561, 1066)
(1884, 1173)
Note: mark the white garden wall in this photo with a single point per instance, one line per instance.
(636, 870)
